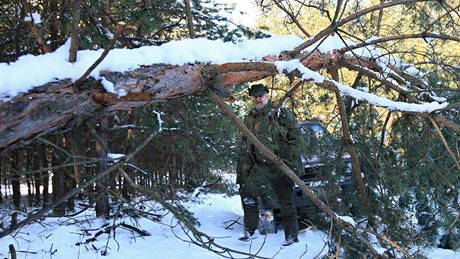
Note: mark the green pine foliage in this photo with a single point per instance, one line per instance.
(146, 23)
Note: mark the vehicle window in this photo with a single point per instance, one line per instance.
(315, 137)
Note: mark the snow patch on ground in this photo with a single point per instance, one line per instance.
(57, 237)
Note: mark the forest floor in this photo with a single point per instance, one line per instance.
(156, 234)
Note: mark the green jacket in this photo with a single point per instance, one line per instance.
(278, 131)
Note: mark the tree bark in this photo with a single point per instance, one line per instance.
(346, 136)
(61, 104)
(45, 176)
(188, 14)
(102, 198)
(16, 167)
(76, 5)
(58, 180)
(58, 105)
(36, 176)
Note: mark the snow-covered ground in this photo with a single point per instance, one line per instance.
(57, 237)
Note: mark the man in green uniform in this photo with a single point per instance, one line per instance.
(257, 176)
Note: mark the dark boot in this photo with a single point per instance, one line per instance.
(248, 235)
(290, 240)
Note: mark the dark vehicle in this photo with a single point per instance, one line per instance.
(327, 171)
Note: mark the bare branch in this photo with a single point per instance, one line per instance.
(292, 17)
(107, 49)
(346, 136)
(35, 32)
(328, 30)
(422, 35)
(444, 142)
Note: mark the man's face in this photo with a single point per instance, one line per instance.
(259, 101)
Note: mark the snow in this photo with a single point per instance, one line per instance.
(214, 212)
(114, 156)
(309, 75)
(347, 219)
(54, 66)
(35, 18)
(57, 237)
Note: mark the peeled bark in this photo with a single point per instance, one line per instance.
(60, 105)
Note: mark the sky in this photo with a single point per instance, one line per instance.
(245, 13)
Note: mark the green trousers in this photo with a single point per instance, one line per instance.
(275, 189)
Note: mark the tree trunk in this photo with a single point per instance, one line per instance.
(76, 6)
(44, 154)
(357, 173)
(102, 199)
(68, 176)
(188, 14)
(16, 168)
(2, 174)
(58, 180)
(130, 147)
(61, 103)
(36, 176)
(30, 191)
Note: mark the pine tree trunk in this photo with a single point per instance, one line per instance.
(188, 14)
(36, 176)
(58, 182)
(102, 199)
(69, 178)
(17, 167)
(30, 192)
(130, 146)
(2, 173)
(76, 6)
(44, 175)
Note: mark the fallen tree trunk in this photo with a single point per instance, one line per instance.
(62, 104)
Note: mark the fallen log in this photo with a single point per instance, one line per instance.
(62, 104)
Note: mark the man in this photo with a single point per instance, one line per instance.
(257, 176)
